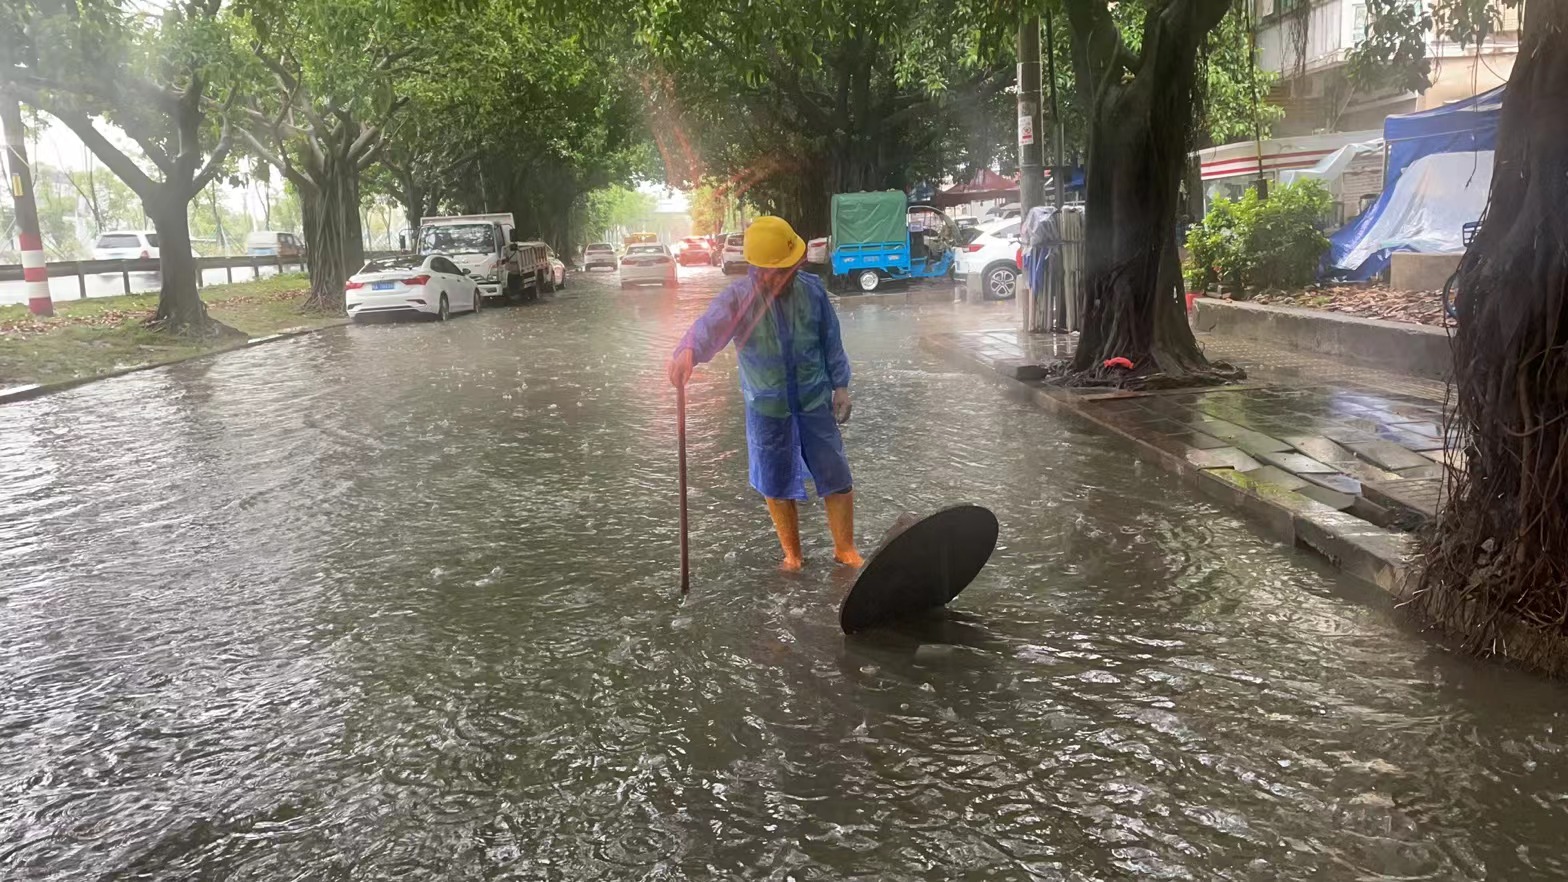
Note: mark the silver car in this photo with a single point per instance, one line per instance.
(648, 265)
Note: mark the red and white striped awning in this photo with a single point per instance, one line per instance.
(1242, 158)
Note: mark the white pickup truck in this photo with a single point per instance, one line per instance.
(486, 246)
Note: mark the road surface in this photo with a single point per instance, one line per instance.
(400, 601)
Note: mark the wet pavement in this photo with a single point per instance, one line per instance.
(1309, 434)
(400, 601)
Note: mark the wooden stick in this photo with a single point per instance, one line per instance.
(680, 429)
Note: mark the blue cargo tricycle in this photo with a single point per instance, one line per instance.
(880, 237)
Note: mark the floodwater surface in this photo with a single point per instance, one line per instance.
(401, 602)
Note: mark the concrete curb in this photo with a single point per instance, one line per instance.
(38, 390)
(1414, 350)
(1351, 544)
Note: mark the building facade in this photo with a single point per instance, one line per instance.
(1308, 43)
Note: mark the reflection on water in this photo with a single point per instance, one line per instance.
(400, 602)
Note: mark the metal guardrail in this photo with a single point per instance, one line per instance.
(81, 269)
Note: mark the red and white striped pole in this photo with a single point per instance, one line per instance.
(34, 271)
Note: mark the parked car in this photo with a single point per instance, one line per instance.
(599, 254)
(648, 264)
(734, 259)
(992, 255)
(694, 251)
(558, 267)
(1005, 212)
(271, 243)
(126, 245)
(411, 284)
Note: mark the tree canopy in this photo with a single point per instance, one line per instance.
(792, 102)
(1394, 52)
(167, 79)
(447, 106)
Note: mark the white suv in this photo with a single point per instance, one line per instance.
(126, 245)
(992, 255)
(734, 259)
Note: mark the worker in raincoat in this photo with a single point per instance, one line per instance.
(795, 378)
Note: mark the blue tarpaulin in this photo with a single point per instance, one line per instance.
(1074, 180)
(1439, 175)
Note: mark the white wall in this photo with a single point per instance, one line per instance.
(1331, 30)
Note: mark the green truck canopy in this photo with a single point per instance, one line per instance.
(864, 218)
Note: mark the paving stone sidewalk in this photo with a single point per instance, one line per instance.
(1342, 459)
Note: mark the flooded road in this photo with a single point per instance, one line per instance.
(400, 602)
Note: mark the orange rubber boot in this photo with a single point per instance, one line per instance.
(786, 522)
(841, 520)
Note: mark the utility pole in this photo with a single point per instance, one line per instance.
(1252, 79)
(1058, 131)
(1031, 156)
(34, 271)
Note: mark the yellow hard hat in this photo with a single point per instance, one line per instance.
(772, 244)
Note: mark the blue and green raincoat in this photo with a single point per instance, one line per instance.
(791, 360)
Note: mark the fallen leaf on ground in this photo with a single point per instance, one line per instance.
(1366, 301)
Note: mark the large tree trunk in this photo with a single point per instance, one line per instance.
(417, 201)
(180, 309)
(805, 196)
(854, 166)
(1136, 309)
(1139, 137)
(1499, 552)
(332, 230)
(1137, 151)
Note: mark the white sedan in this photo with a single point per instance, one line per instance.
(648, 265)
(557, 267)
(411, 284)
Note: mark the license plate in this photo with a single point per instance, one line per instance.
(382, 286)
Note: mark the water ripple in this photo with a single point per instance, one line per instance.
(399, 602)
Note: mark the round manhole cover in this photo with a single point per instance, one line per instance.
(925, 565)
